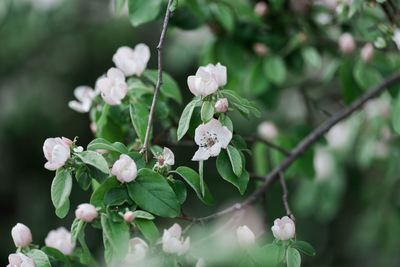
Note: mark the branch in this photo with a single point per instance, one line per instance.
(284, 197)
(304, 145)
(268, 143)
(159, 81)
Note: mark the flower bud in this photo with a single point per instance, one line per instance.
(67, 140)
(93, 127)
(245, 236)
(260, 49)
(346, 43)
(124, 169)
(60, 239)
(367, 52)
(19, 259)
(129, 216)
(86, 212)
(261, 9)
(267, 130)
(284, 228)
(222, 105)
(21, 235)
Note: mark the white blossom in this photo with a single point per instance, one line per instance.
(324, 163)
(245, 236)
(173, 243)
(21, 235)
(346, 43)
(261, 8)
(60, 239)
(19, 260)
(137, 250)
(367, 52)
(267, 130)
(86, 212)
(56, 151)
(113, 86)
(210, 138)
(207, 79)
(396, 37)
(132, 61)
(284, 228)
(124, 169)
(84, 95)
(165, 158)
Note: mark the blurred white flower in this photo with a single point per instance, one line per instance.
(222, 105)
(323, 18)
(245, 236)
(261, 8)
(207, 79)
(113, 86)
(284, 228)
(210, 138)
(267, 130)
(124, 169)
(396, 37)
(56, 151)
(377, 107)
(137, 250)
(260, 49)
(165, 158)
(339, 135)
(86, 212)
(132, 61)
(346, 43)
(324, 163)
(84, 95)
(20, 260)
(60, 239)
(21, 235)
(173, 243)
(367, 52)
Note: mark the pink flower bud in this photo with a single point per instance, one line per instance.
(222, 105)
(124, 169)
(260, 49)
(367, 52)
(67, 141)
(86, 212)
(346, 43)
(261, 9)
(21, 235)
(129, 216)
(93, 127)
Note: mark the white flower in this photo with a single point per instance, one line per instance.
(165, 158)
(210, 138)
(56, 151)
(20, 260)
(21, 235)
(86, 212)
(245, 236)
(346, 43)
(261, 8)
(124, 169)
(60, 239)
(367, 52)
(284, 228)
(172, 241)
(339, 136)
(207, 79)
(324, 163)
(132, 61)
(396, 37)
(85, 95)
(137, 250)
(113, 86)
(222, 105)
(267, 130)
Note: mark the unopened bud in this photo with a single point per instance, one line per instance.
(260, 49)
(21, 235)
(67, 141)
(367, 52)
(261, 9)
(129, 216)
(346, 43)
(222, 105)
(86, 212)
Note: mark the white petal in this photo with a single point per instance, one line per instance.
(201, 154)
(115, 74)
(191, 81)
(175, 230)
(215, 150)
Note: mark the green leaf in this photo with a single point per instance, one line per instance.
(225, 16)
(311, 56)
(257, 81)
(86, 257)
(207, 111)
(94, 159)
(179, 189)
(240, 102)
(396, 114)
(193, 179)
(269, 255)
(173, 5)
(63, 210)
(148, 229)
(226, 121)
(83, 177)
(139, 117)
(55, 256)
(97, 198)
(117, 196)
(275, 69)
(101, 143)
(141, 214)
(76, 228)
(116, 239)
(224, 168)
(184, 121)
(366, 76)
(304, 247)
(61, 188)
(293, 257)
(143, 11)
(169, 88)
(118, 6)
(350, 89)
(39, 258)
(152, 192)
(235, 159)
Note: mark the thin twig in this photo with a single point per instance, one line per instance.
(255, 138)
(304, 145)
(284, 197)
(159, 81)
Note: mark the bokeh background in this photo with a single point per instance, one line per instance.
(345, 196)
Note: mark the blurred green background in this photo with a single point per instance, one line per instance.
(351, 215)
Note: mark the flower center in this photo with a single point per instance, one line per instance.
(208, 140)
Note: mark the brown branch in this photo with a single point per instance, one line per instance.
(255, 138)
(284, 197)
(304, 145)
(159, 81)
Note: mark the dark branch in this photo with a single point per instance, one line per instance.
(284, 197)
(159, 81)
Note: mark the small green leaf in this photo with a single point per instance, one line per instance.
(83, 177)
(224, 168)
(350, 89)
(169, 88)
(101, 143)
(225, 16)
(173, 6)
(275, 69)
(269, 255)
(86, 257)
(141, 214)
(226, 121)
(61, 188)
(97, 198)
(143, 11)
(193, 179)
(148, 229)
(235, 159)
(366, 76)
(76, 228)
(293, 257)
(179, 189)
(63, 210)
(117, 196)
(55, 256)
(94, 159)
(396, 115)
(207, 111)
(139, 117)
(184, 121)
(311, 56)
(304, 247)
(257, 81)
(39, 258)
(152, 192)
